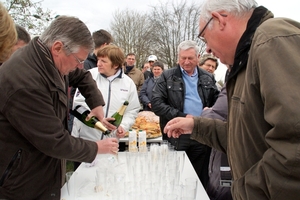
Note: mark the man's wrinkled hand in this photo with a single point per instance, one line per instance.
(178, 126)
(108, 145)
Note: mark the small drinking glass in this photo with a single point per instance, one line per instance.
(71, 183)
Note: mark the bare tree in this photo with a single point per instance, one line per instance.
(174, 22)
(29, 15)
(132, 32)
(158, 32)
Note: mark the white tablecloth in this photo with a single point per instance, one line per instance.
(85, 178)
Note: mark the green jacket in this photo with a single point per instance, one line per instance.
(262, 135)
(34, 140)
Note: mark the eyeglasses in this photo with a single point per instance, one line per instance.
(78, 60)
(202, 31)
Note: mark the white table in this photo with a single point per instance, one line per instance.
(85, 178)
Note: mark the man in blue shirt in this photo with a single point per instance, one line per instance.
(183, 91)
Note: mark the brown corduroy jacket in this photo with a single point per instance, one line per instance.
(34, 141)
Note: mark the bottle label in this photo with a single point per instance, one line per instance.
(132, 141)
(81, 109)
(142, 140)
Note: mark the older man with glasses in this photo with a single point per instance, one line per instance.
(261, 137)
(101, 38)
(34, 140)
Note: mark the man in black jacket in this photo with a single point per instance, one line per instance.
(100, 38)
(184, 91)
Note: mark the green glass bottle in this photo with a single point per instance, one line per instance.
(119, 114)
(81, 113)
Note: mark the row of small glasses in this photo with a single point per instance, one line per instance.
(153, 174)
(158, 170)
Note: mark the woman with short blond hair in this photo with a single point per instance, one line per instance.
(116, 88)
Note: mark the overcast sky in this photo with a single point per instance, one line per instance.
(97, 14)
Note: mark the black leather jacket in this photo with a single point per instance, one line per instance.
(90, 62)
(168, 94)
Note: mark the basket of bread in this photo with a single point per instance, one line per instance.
(149, 122)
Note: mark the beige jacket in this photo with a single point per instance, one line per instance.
(138, 78)
(262, 135)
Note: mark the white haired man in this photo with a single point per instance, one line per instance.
(261, 136)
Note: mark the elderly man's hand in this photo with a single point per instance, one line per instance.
(97, 112)
(179, 125)
(108, 145)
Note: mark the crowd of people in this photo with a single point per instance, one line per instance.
(250, 125)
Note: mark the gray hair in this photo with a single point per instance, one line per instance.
(235, 7)
(188, 44)
(71, 31)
